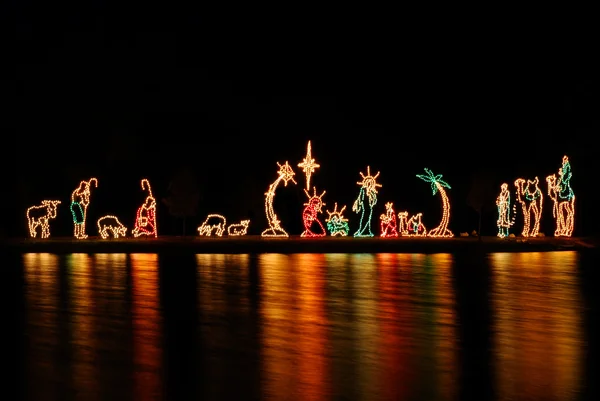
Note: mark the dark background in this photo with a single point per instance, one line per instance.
(123, 94)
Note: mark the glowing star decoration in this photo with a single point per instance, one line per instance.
(308, 165)
(389, 224)
(40, 216)
(438, 185)
(214, 223)
(531, 199)
(403, 223)
(110, 224)
(416, 228)
(563, 197)
(366, 200)
(337, 224)
(80, 200)
(310, 215)
(285, 174)
(145, 218)
(503, 203)
(238, 229)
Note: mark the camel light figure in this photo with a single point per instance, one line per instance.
(438, 185)
(531, 199)
(284, 174)
(563, 197)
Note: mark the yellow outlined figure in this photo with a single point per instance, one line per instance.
(561, 193)
(531, 199)
(80, 200)
(40, 216)
(308, 165)
(285, 174)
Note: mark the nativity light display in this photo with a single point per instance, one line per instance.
(392, 224)
(563, 197)
(529, 195)
(145, 218)
(365, 202)
(439, 186)
(284, 175)
(337, 224)
(389, 224)
(110, 225)
(310, 215)
(80, 200)
(308, 165)
(40, 216)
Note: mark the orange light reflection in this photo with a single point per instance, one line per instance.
(539, 340)
(42, 298)
(147, 323)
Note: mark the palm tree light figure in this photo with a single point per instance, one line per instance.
(438, 185)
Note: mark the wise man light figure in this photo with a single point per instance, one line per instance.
(503, 204)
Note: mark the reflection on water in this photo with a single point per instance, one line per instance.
(42, 325)
(146, 319)
(304, 327)
(539, 339)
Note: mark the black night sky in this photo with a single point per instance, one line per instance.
(127, 94)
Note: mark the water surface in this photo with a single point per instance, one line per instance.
(303, 327)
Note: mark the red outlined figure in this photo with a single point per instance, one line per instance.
(310, 215)
(145, 219)
(389, 224)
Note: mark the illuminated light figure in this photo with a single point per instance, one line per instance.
(389, 224)
(40, 216)
(80, 200)
(213, 223)
(416, 227)
(238, 229)
(561, 193)
(503, 203)
(310, 215)
(110, 223)
(285, 174)
(308, 165)
(438, 185)
(145, 217)
(403, 223)
(531, 199)
(337, 224)
(368, 189)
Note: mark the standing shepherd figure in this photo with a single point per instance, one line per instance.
(80, 199)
